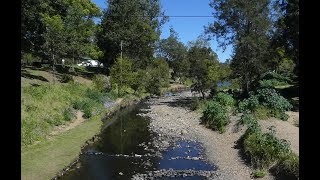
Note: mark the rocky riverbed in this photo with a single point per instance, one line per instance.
(173, 121)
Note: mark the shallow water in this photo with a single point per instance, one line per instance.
(125, 149)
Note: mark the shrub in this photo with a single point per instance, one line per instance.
(249, 104)
(270, 83)
(262, 112)
(101, 83)
(266, 102)
(264, 149)
(214, 116)
(85, 105)
(224, 99)
(258, 174)
(273, 100)
(68, 114)
(247, 119)
(66, 78)
(33, 130)
(95, 95)
(289, 165)
(195, 103)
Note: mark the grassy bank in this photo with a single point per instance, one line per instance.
(46, 158)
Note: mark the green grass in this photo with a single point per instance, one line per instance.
(49, 105)
(44, 159)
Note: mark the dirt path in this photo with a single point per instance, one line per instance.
(171, 118)
(77, 121)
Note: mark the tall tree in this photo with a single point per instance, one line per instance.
(204, 67)
(245, 24)
(32, 25)
(54, 36)
(175, 53)
(286, 36)
(137, 23)
(80, 28)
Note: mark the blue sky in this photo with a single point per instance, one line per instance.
(188, 28)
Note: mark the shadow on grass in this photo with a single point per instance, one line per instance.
(27, 75)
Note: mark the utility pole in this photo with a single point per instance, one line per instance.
(118, 91)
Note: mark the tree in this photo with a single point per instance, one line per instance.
(286, 35)
(157, 76)
(175, 53)
(121, 74)
(32, 24)
(135, 22)
(54, 35)
(204, 68)
(80, 29)
(245, 25)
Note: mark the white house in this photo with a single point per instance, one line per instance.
(90, 63)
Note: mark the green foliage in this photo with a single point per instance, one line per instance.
(266, 102)
(204, 68)
(138, 81)
(264, 149)
(84, 105)
(33, 130)
(289, 165)
(175, 53)
(50, 105)
(121, 74)
(214, 116)
(273, 100)
(270, 83)
(249, 104)
(195, 103)
(28, 58)
(244, 25)
(157, 77)
(68, 114)
(247, 119)
(137, 23)
(224, 99)
(67, 78)
(101, 83)
(262, 112)
(95, 95)
(258, 174)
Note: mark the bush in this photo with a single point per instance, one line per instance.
(95, 95)
(270, 83)
(214, 116)
(266, 102)
(262, 112)
(101, 83)
(85, 105)
(224, 99)
(68, 114)
(258, 174)
(249, 104)
(264, 149)
(33, 130)
(273, 100)
(66, 78)
(195, 103)
(289, 165)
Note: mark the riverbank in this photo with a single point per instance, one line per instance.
(45, 159)
(172, 120)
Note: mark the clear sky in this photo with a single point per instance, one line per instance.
(188, 28)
